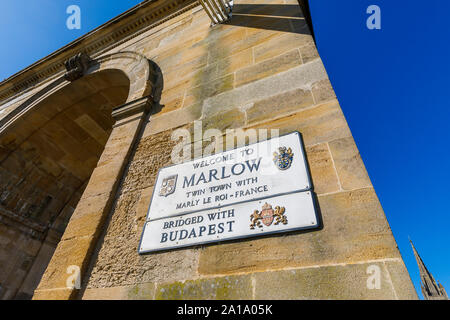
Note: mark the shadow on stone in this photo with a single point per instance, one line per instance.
(283, 18)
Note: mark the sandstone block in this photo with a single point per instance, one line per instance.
(323, 91)
(223, 288)
(224, 120)
(301, 76)
(118, 263)
(276, 46)
(320, 124)
(74, 252)
(144, 291)
(309, 52)
(151, 155)
(235, 62)
(277, 105)
(345, 282)
(322, 169)
(144, 203)
(210, 89)
(59, 294)
(172, 104)
(159, 123)
(88, 218)
(403, 286)
(268, 67)
(354, 230)
(349, 165)
(104, 179)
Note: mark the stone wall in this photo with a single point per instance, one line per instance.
(260, 70)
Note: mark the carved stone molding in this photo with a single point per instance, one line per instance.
(34, 229)
(142, 105)
(77, 66)
(219, 11)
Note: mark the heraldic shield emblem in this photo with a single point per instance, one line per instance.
(283, 160)
(267, 216)
(168, 186)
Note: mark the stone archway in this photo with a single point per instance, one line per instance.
(63, 151)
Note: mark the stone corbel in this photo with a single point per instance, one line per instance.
(137, 108)
(219, 11)
(77, 66)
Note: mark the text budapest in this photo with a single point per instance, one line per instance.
(249, 219)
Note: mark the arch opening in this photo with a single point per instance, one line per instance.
(47, 156)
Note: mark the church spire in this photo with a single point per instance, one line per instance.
(430, 289)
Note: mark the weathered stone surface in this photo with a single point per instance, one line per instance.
(73, 252)
(309, 52)
(113, 293)
(223, 44)
(236, 61)
(320, 124)
(144, 203)
(224, 120)
(403, 286)
(210, 89)
(223, 288)
(125, 220)
(119, 142)
(172, 103)
(58, 294)
(341, 282)
(151, 155)
(354, 230)
(119, 264)
(40, 263)
(322, 169)
(171, 120)
(3, 153)
(278, 105)
(323, 91)
(145, 291)
(281, 44)
(268, 67)
(88, 218)
(349, 165)
(205, 75)
(299, 77)
(79, 159)
(104, 179)
(359, 218)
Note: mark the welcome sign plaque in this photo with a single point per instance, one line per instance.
(249, 191)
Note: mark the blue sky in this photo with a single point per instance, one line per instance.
(392, 85)
(32, 29)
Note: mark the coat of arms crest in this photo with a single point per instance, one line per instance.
(168, 186)
(283, 160)
(267, 215)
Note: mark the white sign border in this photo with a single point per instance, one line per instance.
(310, 189)
(318, 225)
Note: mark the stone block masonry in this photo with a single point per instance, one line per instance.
(235, 76)
(259, 70)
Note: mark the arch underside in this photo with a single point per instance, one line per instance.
(48, 150)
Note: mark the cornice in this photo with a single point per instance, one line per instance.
(139, 19)
(26, 225)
